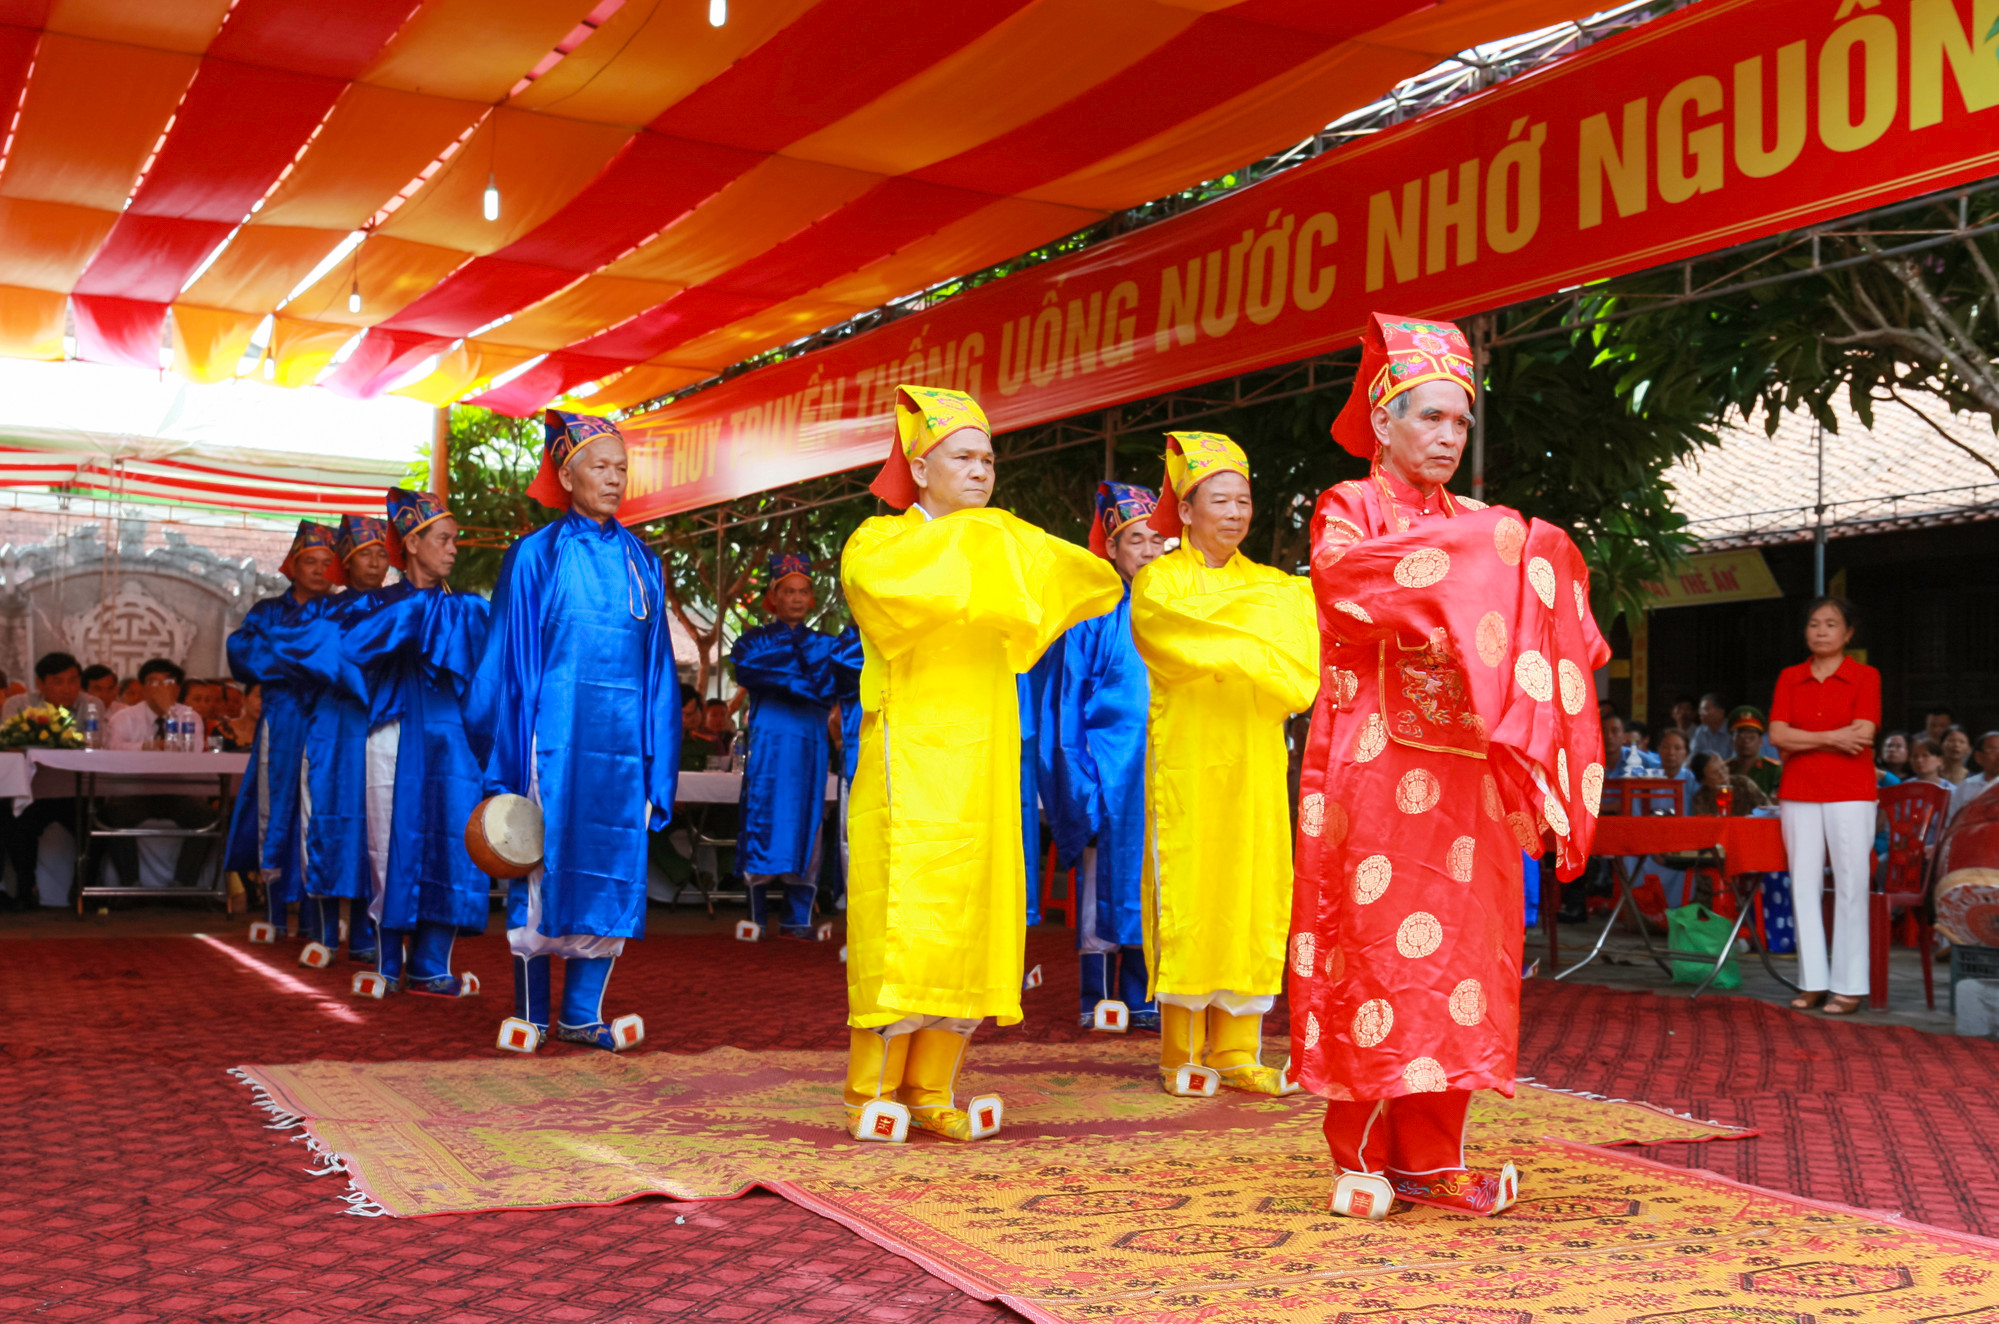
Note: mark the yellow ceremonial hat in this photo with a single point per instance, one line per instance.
(924, 416)
(1191, 459)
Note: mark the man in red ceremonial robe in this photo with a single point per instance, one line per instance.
(1455, 727)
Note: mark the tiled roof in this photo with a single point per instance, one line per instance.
(1755, 488)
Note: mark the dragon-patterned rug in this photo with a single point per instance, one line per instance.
(1106, 1199)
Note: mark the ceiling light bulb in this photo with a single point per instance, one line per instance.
(492, 197)
(718, 13)
(354, 299)
(270, 368)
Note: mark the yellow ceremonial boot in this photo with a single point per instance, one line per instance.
(875, 1067)
(1235, 1049)
(1181, 1036)
(928, 1089)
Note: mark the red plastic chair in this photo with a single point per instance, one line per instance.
(1049, 901)
(1915, 812)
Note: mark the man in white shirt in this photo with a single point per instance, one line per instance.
(58, 682)
(1986, 756)
(1711, 736)
(144, 726)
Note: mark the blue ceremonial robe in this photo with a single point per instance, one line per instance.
(789, 673)
(1096, 785)
(335, 714)
(418, 652)
(576, 696)
(266, 837)
(847, 661)
(1033, 691)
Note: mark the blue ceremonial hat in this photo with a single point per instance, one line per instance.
(309, 535)
(412, 512)
(1119, 506)
(564, 434)
(789, 563)
(358, 531)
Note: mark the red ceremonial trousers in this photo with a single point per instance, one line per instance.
(1456, 725)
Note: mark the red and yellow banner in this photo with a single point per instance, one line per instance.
(1726, 121)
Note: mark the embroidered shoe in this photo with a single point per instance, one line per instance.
(464, 985)
(882, 1120)
(1362, 1195)
(977, 1120)
(620, 1034)
(1461, 1190)
(1254, 1079)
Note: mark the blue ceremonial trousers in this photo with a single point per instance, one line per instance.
(264, 831)
(576, 697)
(790, 675)
(418, 651)
(1096, 786)
(1032, 688)
(847, 663)
(335, 745)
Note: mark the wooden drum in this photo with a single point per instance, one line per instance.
(503, 836)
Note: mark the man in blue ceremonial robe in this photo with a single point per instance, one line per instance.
(264, 834)
(848, 660)
(575, 706)
(790, 674)
(333, 821)
(1095, 789)
(416, 654)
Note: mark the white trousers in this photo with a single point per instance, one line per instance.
(529, 940)
(379, 797)
(1235, 1004)
(1087, 939)
(1840, 833)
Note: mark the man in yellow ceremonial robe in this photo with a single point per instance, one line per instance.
(953, 601)
(1232, 648)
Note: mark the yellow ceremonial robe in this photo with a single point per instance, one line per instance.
(1231, 652)
(950, 611)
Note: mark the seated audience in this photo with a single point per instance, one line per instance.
(1681, 716)
(1711, 771)
(1746, 728)
(130, 693)
(721, 725)
(1619, 758)
(1711, 735)
(240, 728)
(1673, 755)
(205, 698)
(1937, 721)
(58, 684)
(1636, 736)
(1956, 748)
(101, 683)
(696, 746)
(1894, 756)
(1926, 765)
(1987, 776)
(144, 726)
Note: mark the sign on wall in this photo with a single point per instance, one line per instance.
(1712, 577)
(1718, 124)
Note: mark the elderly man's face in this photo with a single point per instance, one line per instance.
(206, 700)
(367, 568)
(1423, 446)
(1217, 514)
(957, 474)
(312, 572)
(791, 599)
(595, 478)
(432, 551)
(1136, 548)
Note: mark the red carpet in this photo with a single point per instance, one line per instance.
(143, 1188)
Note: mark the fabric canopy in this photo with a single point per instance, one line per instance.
(674, 197)
(191, 474)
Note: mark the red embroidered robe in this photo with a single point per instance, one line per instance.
(1456, 725)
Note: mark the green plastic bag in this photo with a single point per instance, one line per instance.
(1697, 929)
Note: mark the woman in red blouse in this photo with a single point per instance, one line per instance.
(1823, 717)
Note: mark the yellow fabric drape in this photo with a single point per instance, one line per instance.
(1231, 653)
(950, 611)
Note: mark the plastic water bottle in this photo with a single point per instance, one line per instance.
(91, 740)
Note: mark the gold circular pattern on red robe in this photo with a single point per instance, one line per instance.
(1419, 935)
(1459, 861)
(1420, 569)
(1373, 738)
(1335, 964)
(1425, 1076)
(1488, 791)
(1491, 638)
(1304, 953)
(1573, 687)
(1558, 817)
(1523, 831)
(1370, 878)
(1336, 822)
(1312, 814)
(1353, 609)
(1468, 1002)
(1418, 791)
(1593, 789)
(1582, 600)
(1372, 1022)
(1311, 1030)
(1508, 537)
(1562, 769)
(1344, 685)
(1532, 673)
(1542, 576)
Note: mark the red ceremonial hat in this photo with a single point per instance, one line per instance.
(1398, 354)
(309, 535)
